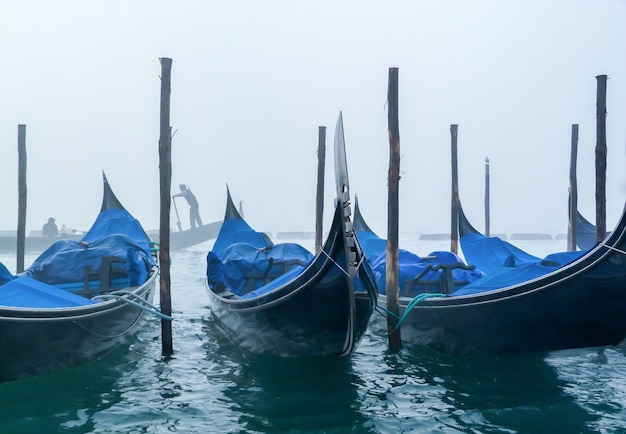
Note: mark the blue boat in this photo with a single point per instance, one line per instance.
(281, 300)
(542, 305)
(79, 299)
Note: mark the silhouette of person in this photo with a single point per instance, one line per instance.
(194, 214)
(50, 229)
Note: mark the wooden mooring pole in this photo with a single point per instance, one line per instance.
(573, 192)
(21, 198)
(319, 201)
(601, 158)
(392, 272)
(165, 171)
(454, 215)
(487, 204)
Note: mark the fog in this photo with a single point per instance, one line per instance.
(252, 82)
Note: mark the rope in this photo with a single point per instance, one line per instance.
(335, 262)
(613, 248)
(417, 299)
(143, 304)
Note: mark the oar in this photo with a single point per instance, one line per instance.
(177, 217)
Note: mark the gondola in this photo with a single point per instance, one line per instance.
(79, 299)
(280, 300)
(190, 237)
(581, 304)
(34, 242)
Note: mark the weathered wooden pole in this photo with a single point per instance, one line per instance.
(573, 192)
(392, 271)
(165, 170)
(601, 158)
(454, 220)
(319, 200)
(487, 204)
(21, 196)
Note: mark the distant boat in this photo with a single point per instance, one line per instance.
(190, 237)
(79, 299)
(34, 242)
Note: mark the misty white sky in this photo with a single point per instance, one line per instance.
(252, 81)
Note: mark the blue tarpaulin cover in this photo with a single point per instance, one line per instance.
(244, 260)
(491, 253)
(26, 292)
(5, 275)
(115, 233)
(242, 268)
(65, 261)
(411, 266)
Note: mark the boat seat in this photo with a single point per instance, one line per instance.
(104, 275)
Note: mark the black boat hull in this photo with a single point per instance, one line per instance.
(315, 314)
(582, 305)
(40, 341)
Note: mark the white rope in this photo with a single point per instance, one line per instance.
(613, 248)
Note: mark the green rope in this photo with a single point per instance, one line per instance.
(417, 299)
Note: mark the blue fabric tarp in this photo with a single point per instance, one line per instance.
(117, 221)
(492, 253)
(243, 268)
(66, 261)
(5, 275)
(237, 231)
(411, 266)
(30, 293)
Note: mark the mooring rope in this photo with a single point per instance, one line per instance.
(145, 305)
(417, 299)
(613, 248)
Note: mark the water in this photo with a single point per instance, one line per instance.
(210, 386)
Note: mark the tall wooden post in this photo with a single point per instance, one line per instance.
(601, 158)
(573, 192)
(392, 272)
(454, 217)
(165, 170)
(22, 196)
(319, 201)
(487, 204)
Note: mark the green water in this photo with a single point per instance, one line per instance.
(210, 386)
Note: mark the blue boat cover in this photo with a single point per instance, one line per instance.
(117, 221)
(5, 275)
(507, 276)
(506, 264)
(492, 253)
(411, 266)
(236, 231)
(66, 261)
(114, 234)
(372, 245)
(418, 275)
(243, 268)
(30, 293)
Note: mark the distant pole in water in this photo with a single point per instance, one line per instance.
(454, 220)
(487, 205)
(22, 194)
(601, 158)
(573, 192)
(319, 202)
(392, 272)
(165, 169)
